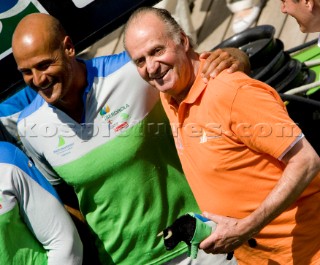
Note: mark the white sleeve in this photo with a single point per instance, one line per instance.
(45, 215)
(290, 146)
(10, 110)
(41, 163)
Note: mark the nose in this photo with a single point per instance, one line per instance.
(38, 78)
(152, 65)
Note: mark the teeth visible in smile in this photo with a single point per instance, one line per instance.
(160, 76)
(46, 87)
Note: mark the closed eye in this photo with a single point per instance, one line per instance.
(140, 62)
(25, 71)
(44, 65)
(158, 51)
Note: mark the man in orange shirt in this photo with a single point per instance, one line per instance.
(246, 161)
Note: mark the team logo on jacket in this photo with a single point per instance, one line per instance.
(61, 141)
(63, 148)
(107, 113)
(117, 118)
(105, 110)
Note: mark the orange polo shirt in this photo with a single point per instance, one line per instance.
(229, 134)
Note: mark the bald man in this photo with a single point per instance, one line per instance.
(100, 128)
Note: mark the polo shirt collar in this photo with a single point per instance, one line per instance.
(196, 89)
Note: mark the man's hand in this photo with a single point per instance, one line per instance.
(302, 166)
(218, 60)
(230, 233)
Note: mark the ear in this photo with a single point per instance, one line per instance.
(185, 41)
(309, 4)
(68, 46)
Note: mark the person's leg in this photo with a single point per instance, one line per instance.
(245, 12)
(203, 259)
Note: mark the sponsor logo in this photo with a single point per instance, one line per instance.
(205, 138)
(108, 114)
(63, 149)
(116, 118)
(125, 116)
(105, 110)
(121, 126)
(61, 141)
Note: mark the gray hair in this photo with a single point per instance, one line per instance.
(173, 28)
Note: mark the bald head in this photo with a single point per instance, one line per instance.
(37, 28)
(45, 56)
